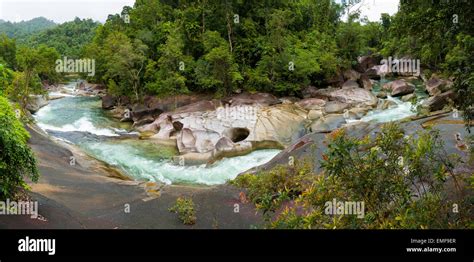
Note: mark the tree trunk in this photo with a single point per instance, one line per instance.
(229, 32)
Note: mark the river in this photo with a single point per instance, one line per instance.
(81, 121)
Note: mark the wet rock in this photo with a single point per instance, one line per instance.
(108, 102)
(186, 141)
(351, 75)
(382, 94)
(337, 80)
(385, 104)
(311, 103)
(366, 62)
(314, 114)
(359, 112)
(435, 85)
(263, 99)
(309, 91)
(350, 84)
(399, 87)
(408, 97)
(35, 102)
(328, 123)
(365, 82)
(140, 112)
(335, 107)
(353, 96)
(437, 102)
(288, 99)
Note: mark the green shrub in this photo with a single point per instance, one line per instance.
(16, 158)
(185, 209)
(401, 180)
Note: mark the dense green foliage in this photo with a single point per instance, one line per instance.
(219, 46)
(25, 28)
(399, 178)
(16, 158)
(68, 38)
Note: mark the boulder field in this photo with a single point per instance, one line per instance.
(204, 129)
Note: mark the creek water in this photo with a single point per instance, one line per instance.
(81, 121)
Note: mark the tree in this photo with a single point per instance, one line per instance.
(27, 81)
(16, 158)
(217, 69)
(125, 63)
(7, 51)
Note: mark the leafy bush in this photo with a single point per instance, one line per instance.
(185, 209)
(16, 158)
(400, 180)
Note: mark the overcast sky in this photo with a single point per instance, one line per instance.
(66, 10)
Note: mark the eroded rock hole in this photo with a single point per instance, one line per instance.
(238, 134)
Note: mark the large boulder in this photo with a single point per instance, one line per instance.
(205, 140)
(108, 102)
(170, 103)
(337, 80)
(35, 102)
(314, 114)
(435, 85)
(352, 96)
(311, 103)
(351, 75)
(263, 99)
(399, 87)
(365, 82)
(280, 123)
(332, 107)
(140, 112)
(186, 141)
(350, 84)
(366, 62)
(328, 123)
(438, 101)
(309, 91)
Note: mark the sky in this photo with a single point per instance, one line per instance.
(66, 10)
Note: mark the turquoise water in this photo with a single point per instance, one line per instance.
(81, 121)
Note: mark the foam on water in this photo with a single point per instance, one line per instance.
(82, 125)
(141, 160)
(142, 166)
(399, 111)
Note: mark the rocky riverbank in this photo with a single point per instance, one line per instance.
(85, 196)
(204, 129)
